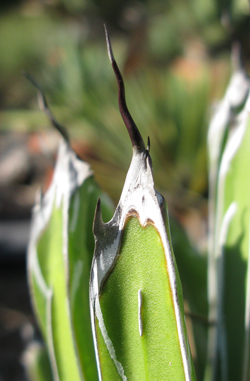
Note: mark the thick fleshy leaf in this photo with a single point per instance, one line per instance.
(226, 110)
(229, 256)
(135, 292)
(60, 254)
(220, 125)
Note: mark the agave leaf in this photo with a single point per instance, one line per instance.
(222, 122)
(60, 253)
(228, 278)
(135, 292)
(49, 266)
(233, 248)
(226, 110)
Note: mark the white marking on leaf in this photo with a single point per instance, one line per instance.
(140, 312)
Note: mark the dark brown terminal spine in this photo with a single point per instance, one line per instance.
(135, 136)
(61, 129)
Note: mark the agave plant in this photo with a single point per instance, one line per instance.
(123, 316)
(136, 302)
(134, 275)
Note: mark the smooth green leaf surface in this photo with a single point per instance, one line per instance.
(135, 291)
(141, 265)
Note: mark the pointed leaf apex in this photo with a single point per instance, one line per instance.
(148, 145)
(98, 224)
(61, 129)
(134, 133)
(109, 47)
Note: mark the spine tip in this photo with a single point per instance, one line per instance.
(61, 129)
(98, 221)
(134, 133)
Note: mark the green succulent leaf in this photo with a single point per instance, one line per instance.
(60, 253)
(226, 111)
(135, 293)
(230, 250)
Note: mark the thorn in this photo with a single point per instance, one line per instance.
(134, 133)
(61, 129)
(109, 47)
(148, 145)
(98, 221)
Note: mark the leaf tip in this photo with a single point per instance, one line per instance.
(98, 224)
(109, 47)
(134, 133)
(45, 106)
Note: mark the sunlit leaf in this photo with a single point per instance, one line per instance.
(135, 292)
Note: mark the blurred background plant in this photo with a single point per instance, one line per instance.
(175, 57)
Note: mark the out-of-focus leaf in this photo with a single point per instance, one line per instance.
(233, 247)
(222, 120)
(60, 253)
(229, 255)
